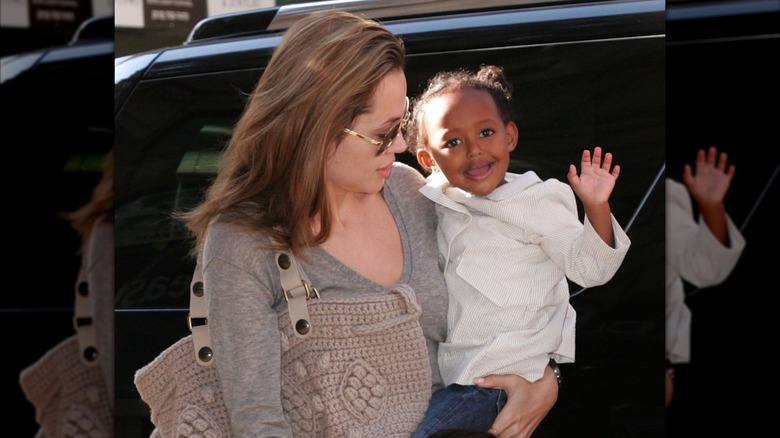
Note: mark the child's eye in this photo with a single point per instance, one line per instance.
(487, 133)
(453, 143)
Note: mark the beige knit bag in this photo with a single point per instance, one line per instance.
(351, 367)
(70, 396)
(68, 386)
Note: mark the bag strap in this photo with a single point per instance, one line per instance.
(197, 320)
(83, 317)
(85, 298)
(297, 290)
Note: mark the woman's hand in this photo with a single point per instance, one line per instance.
(527, 404)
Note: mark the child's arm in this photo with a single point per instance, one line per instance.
(594, 186)
(708, 188)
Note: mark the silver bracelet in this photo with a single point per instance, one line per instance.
(556, 371)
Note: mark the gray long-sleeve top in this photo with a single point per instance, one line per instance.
(243, 294)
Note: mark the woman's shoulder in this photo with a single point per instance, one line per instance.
(220, 231)
(405, 181)
(406, 172)
(233, 254)
(232, 241)
(405, 178)
(403, 187)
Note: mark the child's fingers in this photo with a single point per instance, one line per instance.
(607, 163)
(712, 155)
(700, 158)
(722, 160)
(586, 161)
(572, 174)
(597, 156)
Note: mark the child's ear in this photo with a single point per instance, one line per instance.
(512, 134)
(425, 160)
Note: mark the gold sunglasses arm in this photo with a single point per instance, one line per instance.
(363, 137)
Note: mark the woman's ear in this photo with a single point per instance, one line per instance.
(425, 160)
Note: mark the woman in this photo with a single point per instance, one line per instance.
(311, 168)
(72, 385)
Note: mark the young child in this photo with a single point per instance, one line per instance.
(507, 243)
(701, 249)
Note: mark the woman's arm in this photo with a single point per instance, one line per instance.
(244, 330)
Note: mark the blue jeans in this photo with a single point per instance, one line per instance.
(461, 407)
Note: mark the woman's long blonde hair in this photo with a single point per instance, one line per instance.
(319, 79)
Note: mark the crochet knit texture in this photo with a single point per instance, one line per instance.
(185, 398)
(363, 371)
(70, 397)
